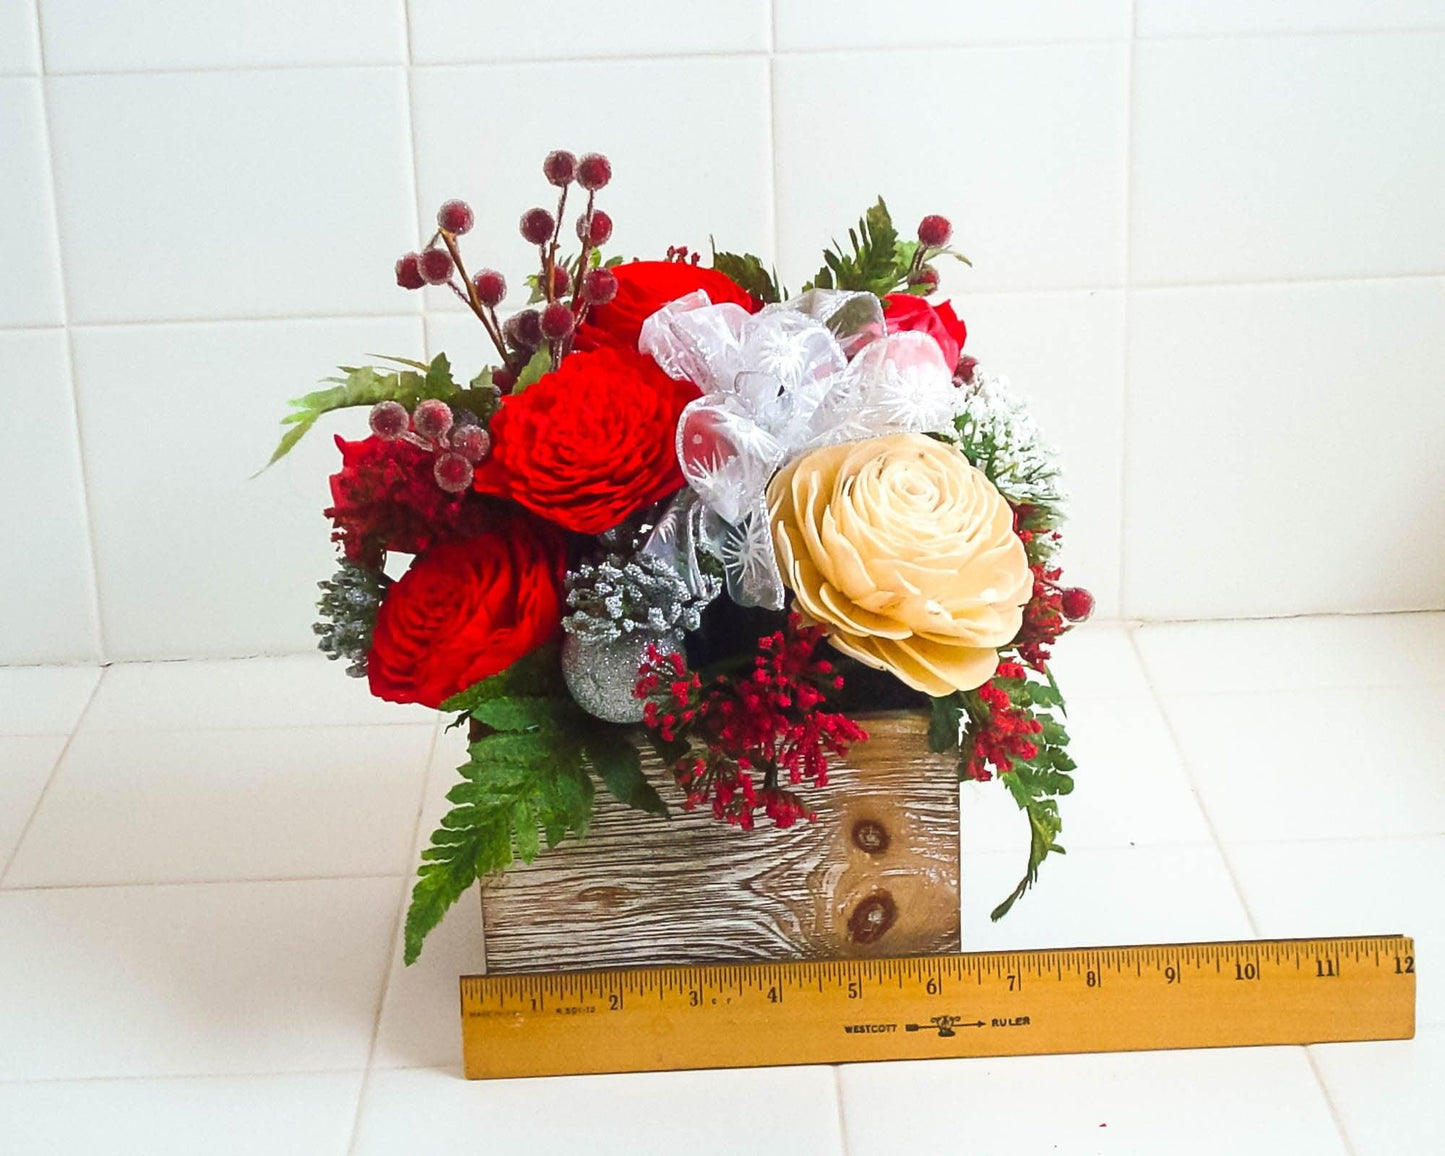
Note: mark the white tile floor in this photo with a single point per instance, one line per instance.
(204, 864)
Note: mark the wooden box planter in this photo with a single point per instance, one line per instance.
(875, 875)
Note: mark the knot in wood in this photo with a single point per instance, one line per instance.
(872, 918)
(870, 835)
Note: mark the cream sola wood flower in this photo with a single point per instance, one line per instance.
(906, 553)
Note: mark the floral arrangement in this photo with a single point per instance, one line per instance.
(689, 511)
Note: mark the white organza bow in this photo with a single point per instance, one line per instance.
(817, 370)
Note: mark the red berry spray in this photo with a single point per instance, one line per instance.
(455, 217)
(436, 266)
(408, 271)
(559, 168)
(593, 172)
(935, 231)
(537, 225)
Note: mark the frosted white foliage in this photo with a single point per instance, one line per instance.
(998, 433)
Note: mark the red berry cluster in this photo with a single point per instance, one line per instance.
(457, 440)
(934, 233)
(1051, 608)
(682, 255)
(385, 497)
(769, 724)
(1005, 734)
(522, 335)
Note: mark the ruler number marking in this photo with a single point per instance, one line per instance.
(1404, 965)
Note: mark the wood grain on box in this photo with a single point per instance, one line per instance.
(875, 875)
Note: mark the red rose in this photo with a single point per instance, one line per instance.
(905, 312)
(644, 287)
(386, 498)
(591, 442)
(468, 610)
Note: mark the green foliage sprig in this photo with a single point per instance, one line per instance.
(749, 272)
(366, 385)
(526, 782)
(1035, 783)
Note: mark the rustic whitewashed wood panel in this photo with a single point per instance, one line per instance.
(875, 875)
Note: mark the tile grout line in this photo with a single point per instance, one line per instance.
(220, 319)
(1187, 763)
(397, 924)
(268, 1074)
(1003, 43)
(443, 309)
(49, 779)
(842, 1110)
(399, 916)
(230, 881)
(773, 127)
(1125, 313)
(97, 614)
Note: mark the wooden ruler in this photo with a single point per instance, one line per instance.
(1106, 999)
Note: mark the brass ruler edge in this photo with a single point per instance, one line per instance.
(922, 961)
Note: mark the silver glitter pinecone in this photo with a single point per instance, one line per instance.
(601, 674)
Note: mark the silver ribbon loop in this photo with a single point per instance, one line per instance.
(817, 370)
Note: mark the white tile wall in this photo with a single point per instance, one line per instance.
(232, 194)
(1206, 241)
(194, 554)
(672, 185)
(1288, 157)
(154, 35)
(30, 288)
(1284, 449)
(806, 25)
(47, 591)
(1023, 148)
(460, 31)
(19, 41)
(1223, 17)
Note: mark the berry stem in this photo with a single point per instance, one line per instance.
(579, 302)
(474, 302)
(549, 255)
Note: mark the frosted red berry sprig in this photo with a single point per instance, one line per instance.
(456, 439)
(934, 234)
(569, 291)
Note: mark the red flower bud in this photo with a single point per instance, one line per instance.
(594, 171)
(557, 321)
(935, 231)
(559, 168)
(455, 217)
(537, 226)
(408, 272)
(435, 266)
(491, 287)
